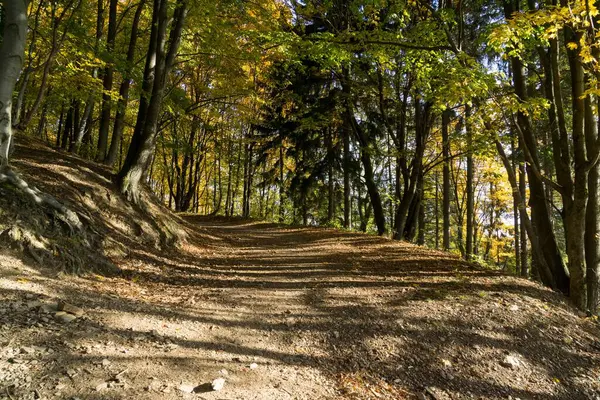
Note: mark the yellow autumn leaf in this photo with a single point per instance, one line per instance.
(572, 45)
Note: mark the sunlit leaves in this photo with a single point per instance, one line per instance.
(524, 31)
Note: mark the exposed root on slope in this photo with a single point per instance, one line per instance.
(40, 226)
(63, 213)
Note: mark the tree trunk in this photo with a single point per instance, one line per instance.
(237, 178)
(365, 149)
(281, 185)
(405, 213)
(522, 216)
(20, 106)
(421, 231)
(437, 212)
(107, 84)
(365, 157)
(516, 230)
(86, 119)
(446, 181)
(12, 51)
(248, 178)
(346, 161)
(68, 127)
(41, 129)
(330, 178)
(575, 215)
(536, 246)
(61, 120)
(592, 219)
(469, 187)
(143, 144)
(538, 202)
(124, 89)
(56, 43)
(373, 191)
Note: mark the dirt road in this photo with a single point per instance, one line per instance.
(290, 313)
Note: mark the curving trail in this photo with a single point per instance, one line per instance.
(293, 313)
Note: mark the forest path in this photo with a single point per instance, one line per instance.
(292, 313)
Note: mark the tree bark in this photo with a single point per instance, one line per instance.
(469, 187)
(437, 212)
(536, 246)
(68, 127)
(281, 185)
(83, 134)
(12, 51)
(446, 181)
(576, 213)
(346, 138)
(143, 144)
(538, 202)
(525, 271)
(516, 222)
(413, 173)
(330, 177)
(107, 84)
(56, 43)
(365, 157)
(19, 107)
(124, 89)
(592, 218)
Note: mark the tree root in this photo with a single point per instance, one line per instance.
(69, 217)
(37, 257)
(50, 233)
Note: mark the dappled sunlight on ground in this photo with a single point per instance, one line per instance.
(320, 314)
(279, 312)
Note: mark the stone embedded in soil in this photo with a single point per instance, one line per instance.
(218, 384)
(49, 308)
(511, 362)
(165, 389)
(253, 366)
(71, 309)
(34, 304)
(64, 317)
(71, 373)
(187, 388)
(435, 393)
(27, 350)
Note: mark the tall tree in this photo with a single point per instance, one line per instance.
(12, 51)
(160, 60)
(107, 82)
(122, 103)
